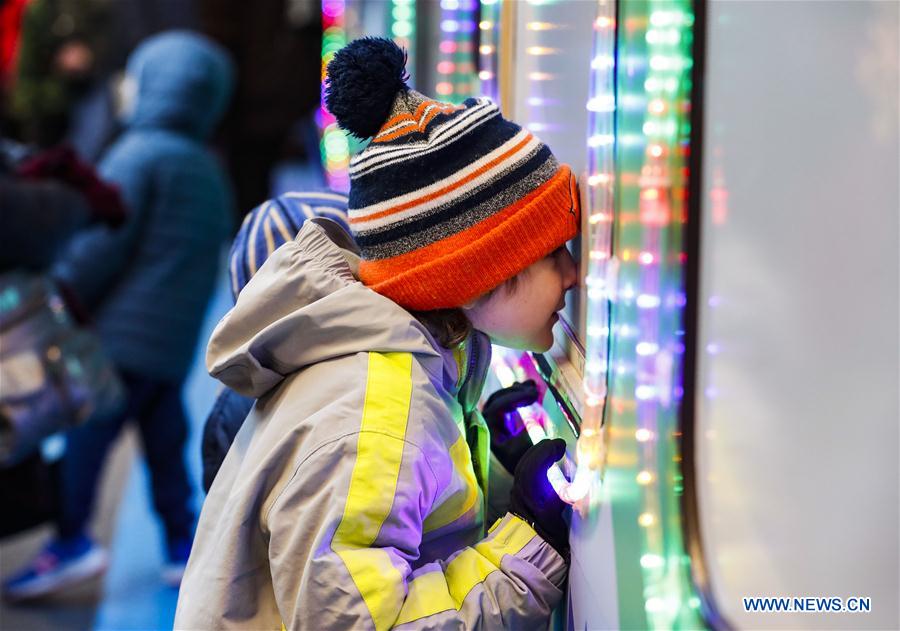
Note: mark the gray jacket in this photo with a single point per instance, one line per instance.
(351, 498)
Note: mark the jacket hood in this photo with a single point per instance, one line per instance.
(183, 81)
(304, 306)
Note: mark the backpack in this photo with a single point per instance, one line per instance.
(53, 374)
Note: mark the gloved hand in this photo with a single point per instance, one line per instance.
(533, 499)
(62, 164)
(509, 440)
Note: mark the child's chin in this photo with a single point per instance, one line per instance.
(544, 344)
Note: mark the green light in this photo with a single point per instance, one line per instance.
(654, 106)
(402, 13)
(402, 29)
(651, 561)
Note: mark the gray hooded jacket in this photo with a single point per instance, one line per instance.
(351, 498)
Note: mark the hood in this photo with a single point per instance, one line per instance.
(182, 81)
(304, 306)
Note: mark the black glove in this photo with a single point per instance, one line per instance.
(533, 499)
(509, 440)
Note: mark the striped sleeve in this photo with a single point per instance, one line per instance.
(358, 573)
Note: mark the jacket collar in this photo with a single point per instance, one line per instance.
(465, 369)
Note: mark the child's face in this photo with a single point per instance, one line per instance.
(524, 317)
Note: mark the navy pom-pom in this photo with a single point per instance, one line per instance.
(363, 79)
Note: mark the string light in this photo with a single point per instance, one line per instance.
(601, 140)
(534, 417)
(488, 62)
(603, 103)
(541, 50)
(456, 73)
(634, 203)
(646, 520)
(651, 561)
(334, 146)
(602, 62)
(403, 31)
(653, 95)
(600, 206)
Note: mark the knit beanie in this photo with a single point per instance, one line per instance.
(275, 222)
(447, 201)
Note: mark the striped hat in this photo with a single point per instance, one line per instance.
(447, 202)
(275, 222)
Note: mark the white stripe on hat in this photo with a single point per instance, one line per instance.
(372, 159)
(521, 155)
(407, 123)
(371, 153)
(456, 176)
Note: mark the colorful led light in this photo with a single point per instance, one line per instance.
(504, 365)
(334, 146)
(403, 31)
(456, 72)
(652, 135)
(635, 202)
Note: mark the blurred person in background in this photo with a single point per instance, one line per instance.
(66, 51)
(147, 286)
(61, 60)
(264, 229)
(271, 116)
(44, 200)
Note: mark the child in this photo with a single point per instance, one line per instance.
(147, 284)
(353, 496)
(265, 228)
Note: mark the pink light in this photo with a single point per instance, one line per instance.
(646, 258)
(718, 194)
(444, 88)
(448, 47)
(446, 67)
(333, 8)
(654, 216)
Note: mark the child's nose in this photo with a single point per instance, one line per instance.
(570, 270)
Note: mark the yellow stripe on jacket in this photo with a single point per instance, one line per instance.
(434, 592)
(372, 485)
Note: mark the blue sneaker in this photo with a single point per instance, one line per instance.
(177, 554)
(62, 563)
